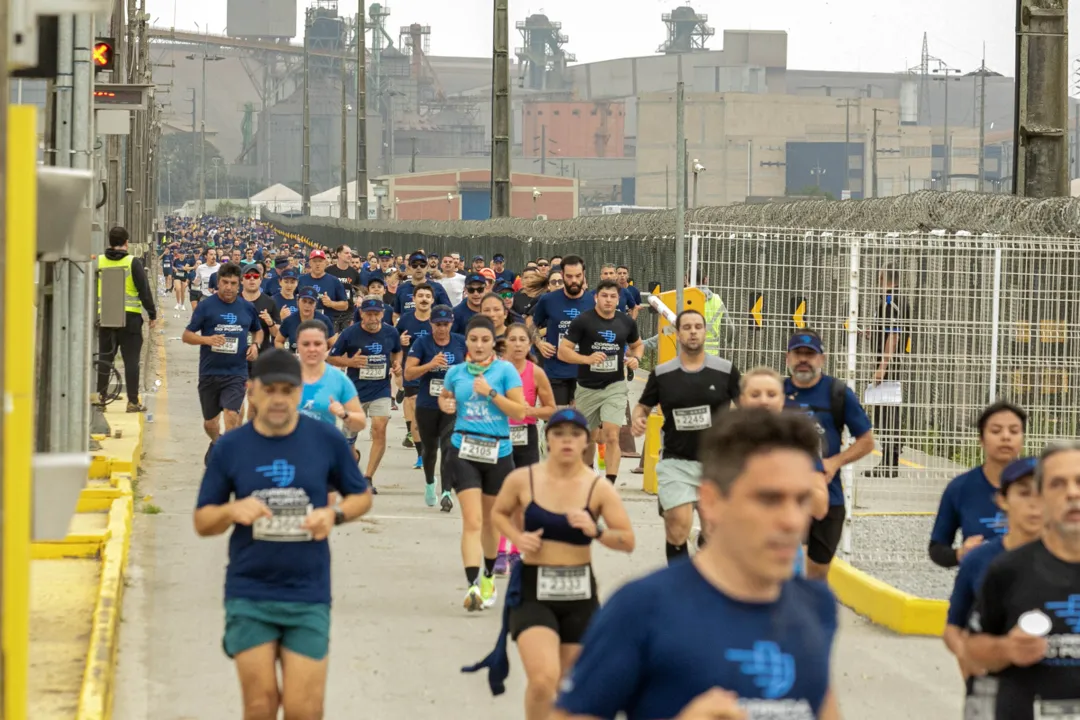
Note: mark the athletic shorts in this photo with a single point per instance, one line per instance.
(221, 392)
(411, 391)
(469, 475)
(167, 272)
(195, 295)
(379, 407)
(302, 628)
(526, 455)
(604, 405)
(563, 390)
(677, 482)
(825, 534)
(568, 618)
(342, 321)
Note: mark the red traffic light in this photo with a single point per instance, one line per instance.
(102, 55)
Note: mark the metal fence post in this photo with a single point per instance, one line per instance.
(995, 325)
(847, 474)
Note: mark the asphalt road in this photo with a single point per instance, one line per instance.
(399, 633)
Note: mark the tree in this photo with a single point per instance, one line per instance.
(813, 191)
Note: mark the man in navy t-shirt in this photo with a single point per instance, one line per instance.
(498, 264)
(222, 326)
(811, 391)
(553, 313)
(332, 297)
(469, 307)
(732, 629)
(403, 300)
(415, 325)
(269, 482)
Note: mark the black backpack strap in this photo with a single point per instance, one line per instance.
(837, 403)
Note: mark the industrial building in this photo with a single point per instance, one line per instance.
(605, 124)
(466, 195)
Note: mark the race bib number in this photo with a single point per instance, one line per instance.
(694, 418)
(611, 364)
(231, 346)
(519, 435)
(563, 584)
(286, 525)
(481, 450)
(1057, 709)
(372, 372)
(435, 387)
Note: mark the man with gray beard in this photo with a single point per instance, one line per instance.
(833, 406)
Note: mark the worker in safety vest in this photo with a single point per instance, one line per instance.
(128, 339)
(717, 332)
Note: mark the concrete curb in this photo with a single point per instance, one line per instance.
(884, 605)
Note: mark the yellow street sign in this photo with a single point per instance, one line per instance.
(756, 310)
(799, 316)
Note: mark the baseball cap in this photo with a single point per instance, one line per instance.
(805, 339)
(376, 277)
(442, 314)
(252, 267)
(475, 279)
(568, 415)
(498, 257)
(289, 274)
(281, 260)
(308, 293)
(385, 252)
(478, 257)
(317, 254)
(488, 273)
(1016, 471)
(503, 286)
(372, 305)
(417, 257)
(277, 366)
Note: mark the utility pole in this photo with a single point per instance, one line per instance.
(686, 161)
(847, 105)
(1041, 153)
(344, 171)
(202, 138)
(947, 161)
(305, 195)
(361, 112)
(983, 72)
(500, 112)
(680, 191)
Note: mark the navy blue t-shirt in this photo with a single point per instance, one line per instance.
(554, 312)
(403, 298)
(634, 293)
(968, 505)
(626, 301)
(424, 350)
(292, 475)
(234, 320)
(271, 285)
(290, 325)
(417, 329)
(817, 403)
(373, 381)
(326, 284)
(970, 578)
(462, 315)
(283, 302)
(665, 639)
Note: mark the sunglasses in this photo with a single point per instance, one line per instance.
(556, 283)
(542, 265)
(506, 295)
(252, 276)
(418, 264)
(474, 290)
(386, 254)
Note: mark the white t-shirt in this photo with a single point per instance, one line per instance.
(454, 285)
(202, 274)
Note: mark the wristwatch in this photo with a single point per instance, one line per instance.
(339, 516)
(344, 415)
(493, 394)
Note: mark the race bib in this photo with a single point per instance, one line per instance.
(1057, 709)
(611, 364)
(694, 418)
(284, 526)
(519, 435)
(481, 450)
(563, 584)
(435, 387)
(231, 346)
(372, 372)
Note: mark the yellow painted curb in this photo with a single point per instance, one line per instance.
(884, 605)
(96, 696)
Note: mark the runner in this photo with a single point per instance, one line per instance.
(969, 503)
(307, 299)
(595, 342)
(202, 278)
(412, 326)
(332, 298)
(1025, 627)
(1019, 499)
(286, 300)
(552, 594)
(690, 390)
(480, 455)
(729, 634)
(221, 326)
(328, 394)
(533, 285)
(349, 278)
(552, 315)
(267, 486)
(371, 353)
(493, 308)
(266, 309)
(429, 359)
(475, 289)
(403, 294)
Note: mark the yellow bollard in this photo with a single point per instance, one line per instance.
(653, 443)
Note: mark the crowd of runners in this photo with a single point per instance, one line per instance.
(509, 380)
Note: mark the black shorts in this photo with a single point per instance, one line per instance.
(469, 475)
(221, 392)
(563, 389)
(411, 391)
(568, 618)
(342, 321)
(526, 455)
(195, 295)
(825, 534)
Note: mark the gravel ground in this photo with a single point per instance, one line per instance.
(893, 550)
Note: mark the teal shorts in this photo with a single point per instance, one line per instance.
(302, 628)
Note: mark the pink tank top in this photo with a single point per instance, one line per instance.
(528, 387)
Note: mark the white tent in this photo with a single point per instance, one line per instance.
(277, 198)
(327, 203)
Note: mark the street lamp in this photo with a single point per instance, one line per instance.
(449, 205)
(205, 57)
(536, 196)
(698, 168)
(947, 163)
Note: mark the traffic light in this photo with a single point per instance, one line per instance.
(102, 56)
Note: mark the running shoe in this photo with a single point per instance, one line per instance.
(446, 502)
(502, 564)
(135, 407)
(473, 600)
(408, 441)
(393, 405)
(488, 592)
(429, 495)
(419, 465)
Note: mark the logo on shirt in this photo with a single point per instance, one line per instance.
(773, 670)
(318, 288)
(999, 523)
(450, 358)
(607, 335)
(1068, 610)
(374, 348)
(571, 312)
(229, 318)
(279, 472)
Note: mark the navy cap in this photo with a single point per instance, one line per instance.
(806, 339)
(442, 314)
(477, 257)
(372, 305)
(1016, 471)
(475, 279)
(568, 415)
(252, 267)
(503, 286)
(281, 260)
(289, 274)
(376, 277)
(308, 293)
(498, 257)
(418, 256)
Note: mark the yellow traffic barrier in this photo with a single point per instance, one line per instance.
(653, 442)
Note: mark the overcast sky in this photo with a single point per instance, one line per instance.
(822, 34)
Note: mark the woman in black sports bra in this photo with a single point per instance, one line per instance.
(552, 594)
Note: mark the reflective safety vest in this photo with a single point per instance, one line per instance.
(714, 316)
(132, 304)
